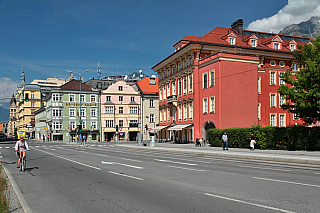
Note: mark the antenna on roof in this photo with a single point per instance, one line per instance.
(98, 70)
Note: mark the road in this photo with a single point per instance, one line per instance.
(103, 178)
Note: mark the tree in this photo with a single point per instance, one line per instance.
(302, 89)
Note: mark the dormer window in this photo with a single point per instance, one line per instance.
(276, 46)
(292, 47)
(253, 43)
(231, 41)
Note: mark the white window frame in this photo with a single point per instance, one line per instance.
(253, 42)
(133, 110)
(72, 112)
(282, 120)
(212, 104)
(93, 112)
(72, 98)
(82, 97)
(72, 124)
(190, 111)
(151, 118)
(273, 98)
(204, 80)
(151, 103)
(211, 78)
(121, 110)
(273, 78)
(56, 112)
(82, 112)
(232, 41)
(205, 105)
(92, 98)
(273, 119)
(109, 123)
(109, 109)
(93, 124)
(185, 112)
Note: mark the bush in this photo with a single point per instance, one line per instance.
(291, 138)
(4, 193)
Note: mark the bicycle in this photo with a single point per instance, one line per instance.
(23, 163)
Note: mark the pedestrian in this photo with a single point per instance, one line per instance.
(200, 141)
(204, 142)
(48, 137)
(225, 141)
(84, 137)
(77, 139)
(43, 138)
(253, 141)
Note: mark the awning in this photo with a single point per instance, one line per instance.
(158, 128)
(180, 126)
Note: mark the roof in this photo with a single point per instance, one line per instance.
(75, 85)
(146, 87)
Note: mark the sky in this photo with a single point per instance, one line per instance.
(46, 38)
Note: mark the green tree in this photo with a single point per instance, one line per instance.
(302, 89)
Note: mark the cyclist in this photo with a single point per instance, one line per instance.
(21, 147)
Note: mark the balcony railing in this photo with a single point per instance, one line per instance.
(171, 99)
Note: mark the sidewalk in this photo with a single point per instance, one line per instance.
(303, 157)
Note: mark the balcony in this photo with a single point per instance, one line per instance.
(172, 99)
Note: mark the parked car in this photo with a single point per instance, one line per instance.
(3, 137)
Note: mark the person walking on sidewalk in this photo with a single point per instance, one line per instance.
(225, 141)
(253, 141)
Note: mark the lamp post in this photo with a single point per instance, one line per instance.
(80, 96)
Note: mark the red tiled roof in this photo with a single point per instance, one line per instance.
(75, 85)
(217, 35)
(147, 88)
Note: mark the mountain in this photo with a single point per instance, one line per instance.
(310, 28)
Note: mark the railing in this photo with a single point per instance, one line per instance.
(172, 98)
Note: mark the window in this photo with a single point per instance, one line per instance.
(190, 111)
(120, 110)
(281, 81)
(82, 98)
(72, 124)
(93, 112)
(272, 78)
(164, 115)
(120, 98)
(205, 80)
(72, 112)
(259, 85)
(295, 116)
(282, 64)
(99, 85)
(282, 121)
(32, 104)
(32, 95)
(180, 66)
(253, 43)
(160, 116)
(190, 60)
(231, 41)
(72, 98)
(132, 99)
(120, 88)
(109, 110)
(185, 112)
(108, 98)
(173, 88)
(151, 118)
(205, 106)
(57, 125)
(109, 123)
(93, 124)
(190, 82)
(56, 97)
(92, 98)
(179, 88)
(295, 67)
(120, 123)
(292, 47)
(173, 69)
(184, 85)
(168, 72)
(272, 100)
(276, 46)
(168, 90)
(212, 105)
(180, 112)
(133, 110)
(56, 113)
(211, 78)
(281, 100)
(133, 123)
(160, 93)
(273, 63)
(83, 125)
(185, 63)
(273, 120)
(259, 111)
(151, 103)
(164, 93)
(82, 112)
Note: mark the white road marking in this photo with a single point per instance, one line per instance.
(317, 173)
(136, 167)
(190, 164)
(283, 181)
(255, 167)
(128, 160)
(116, 173)
(249, 203)
(198, 170)
(7, 147)
(53, 149)
(102, 155)
(70, 160)
(82, 151)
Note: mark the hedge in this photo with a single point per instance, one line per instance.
(288, 138)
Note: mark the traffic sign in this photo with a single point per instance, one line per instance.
(45, 128)
(120, 128)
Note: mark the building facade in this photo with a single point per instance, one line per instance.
(148, 89)
(120, 112)
(226, 78)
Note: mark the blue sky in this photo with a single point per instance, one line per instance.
(46, 38)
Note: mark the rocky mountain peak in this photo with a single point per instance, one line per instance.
(310, 28)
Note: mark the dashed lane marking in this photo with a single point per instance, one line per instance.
(283, 181)
(198, 170)
(116, 173)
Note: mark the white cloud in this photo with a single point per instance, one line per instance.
(9, 87)
(295, 12)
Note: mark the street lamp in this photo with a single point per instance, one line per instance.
(80, 93)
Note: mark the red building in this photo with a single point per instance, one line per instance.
(226, 78)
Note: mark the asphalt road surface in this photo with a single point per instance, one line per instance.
(102, 178)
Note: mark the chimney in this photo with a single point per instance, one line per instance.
(238, 26)
(71, 75)
(81, 78)
(152, 80)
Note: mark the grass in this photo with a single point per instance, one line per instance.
(4, 192)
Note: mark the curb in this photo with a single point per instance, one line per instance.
(25, 205)
(251, 157)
